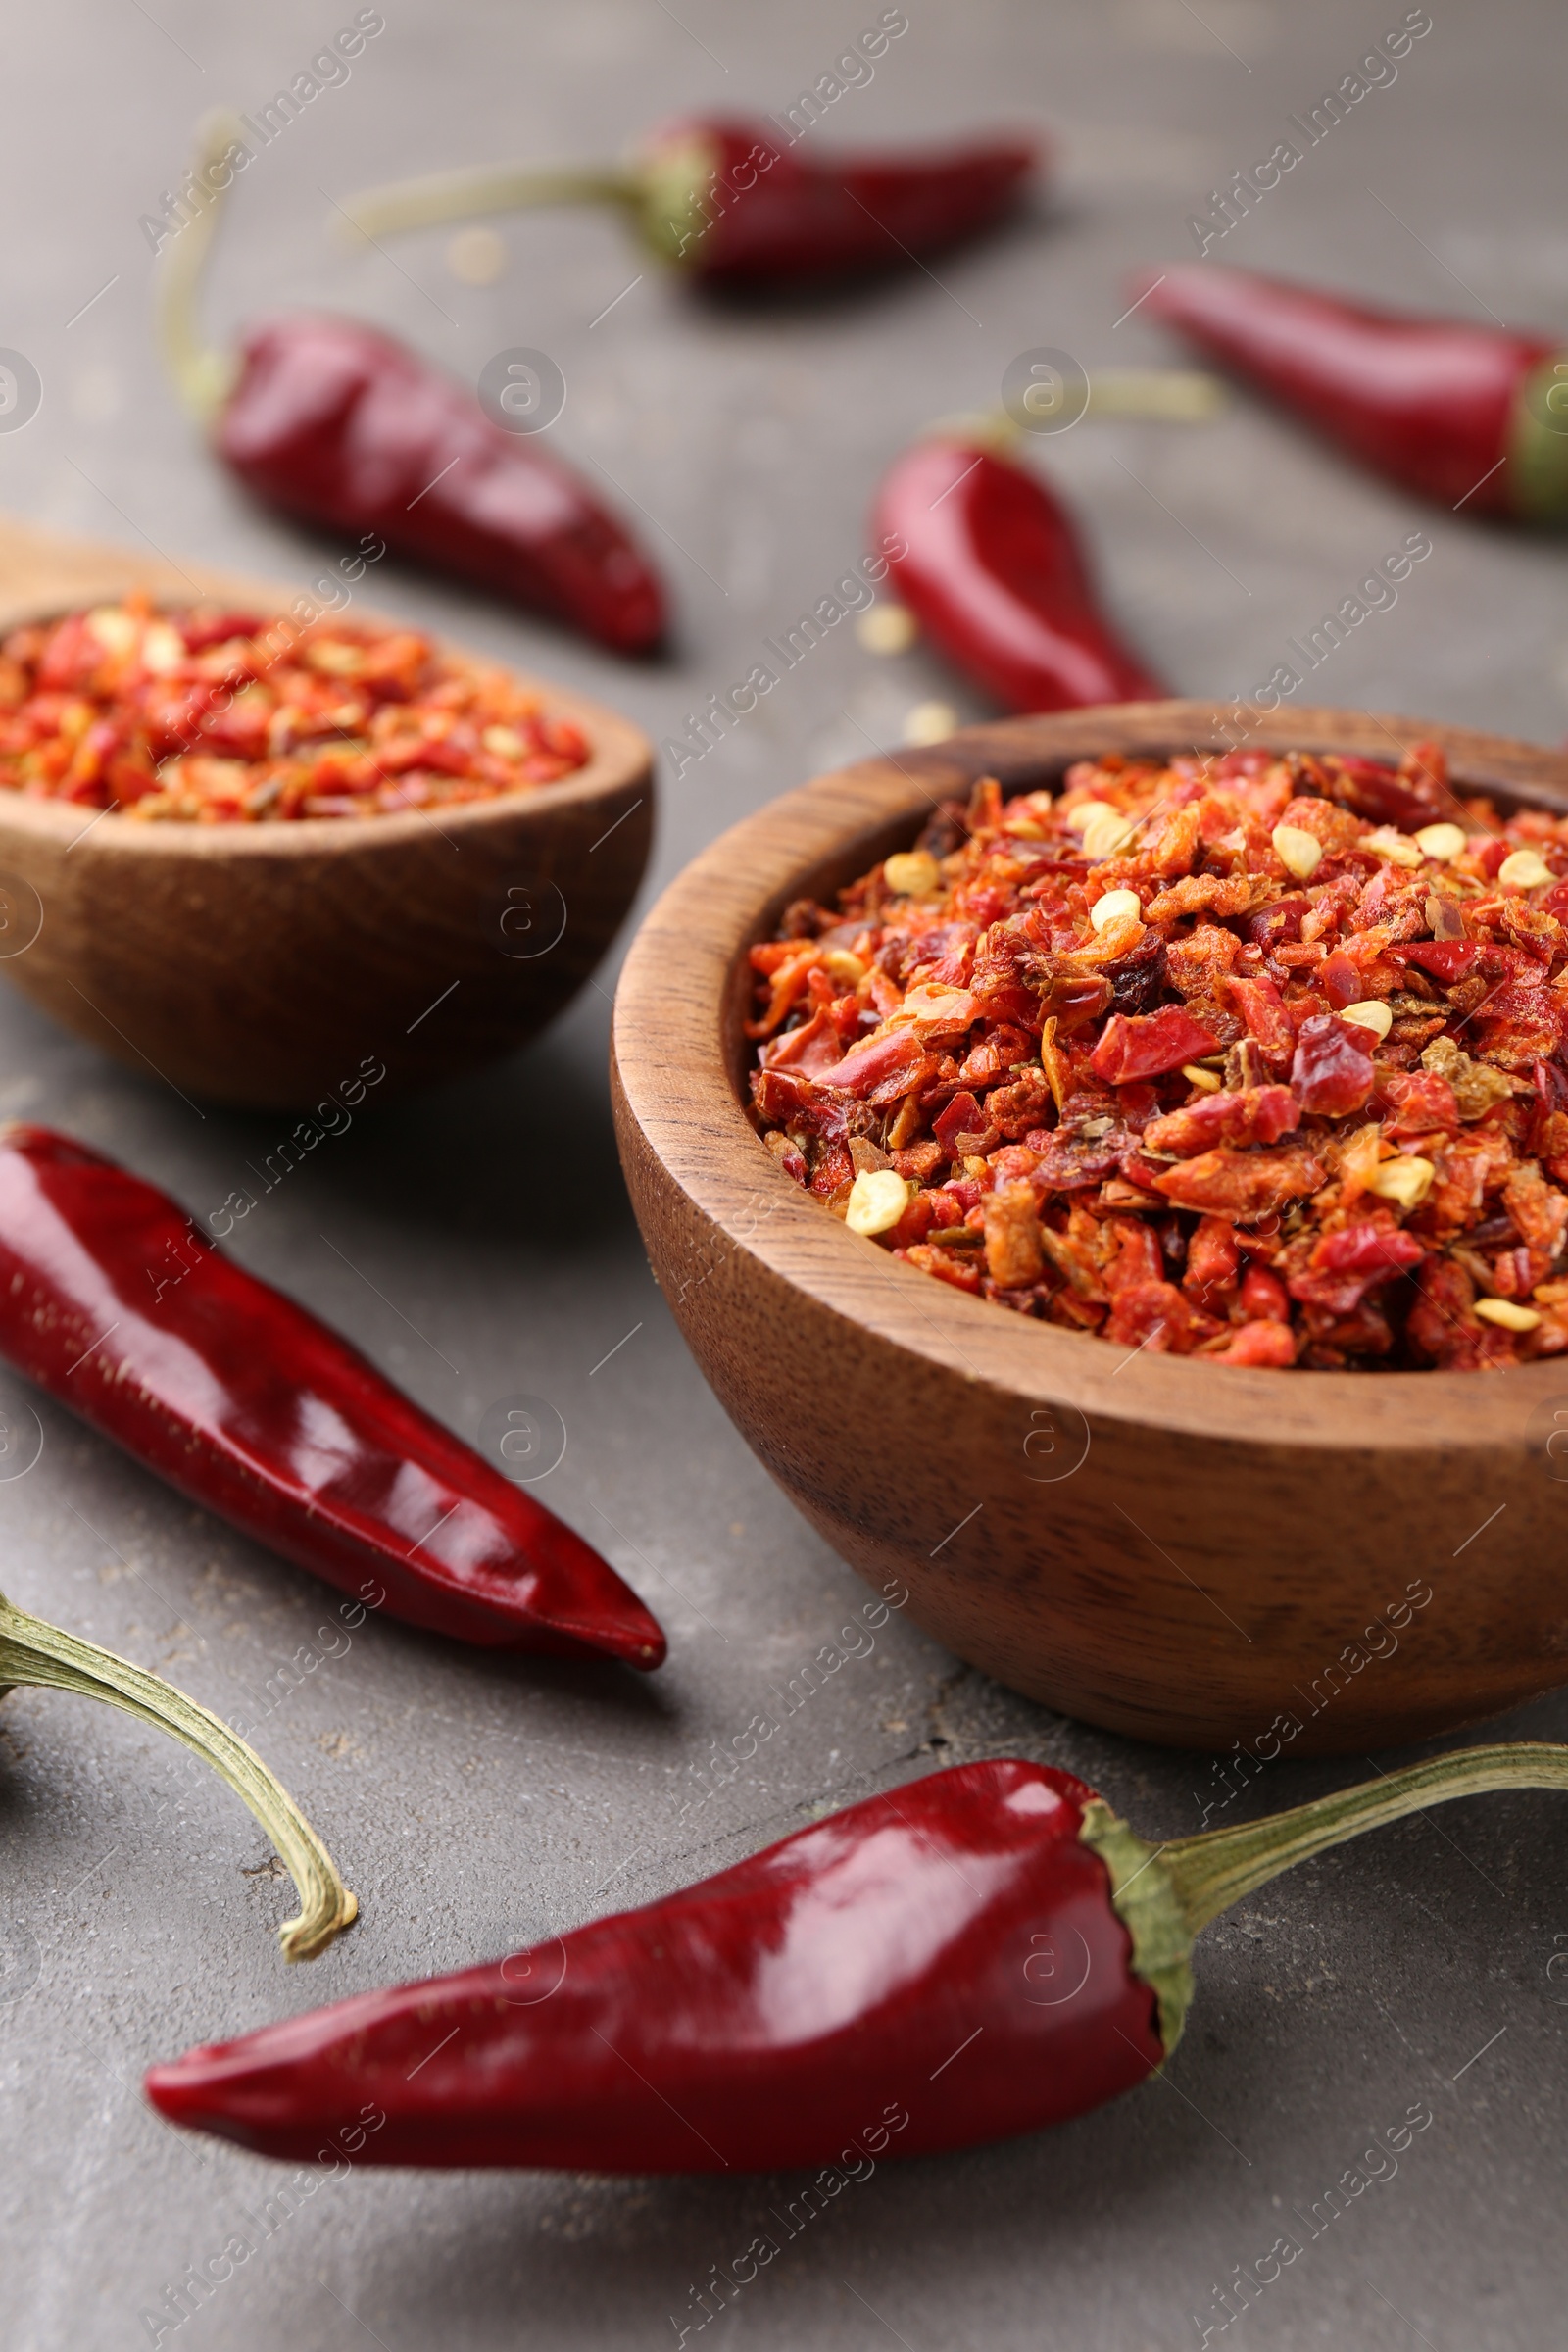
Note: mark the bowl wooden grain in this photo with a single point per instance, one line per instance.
(264, 965)
(1174, 1550)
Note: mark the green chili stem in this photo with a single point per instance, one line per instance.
(488, 188)
(33, 1653)
(202, 375)
(1218, 1867)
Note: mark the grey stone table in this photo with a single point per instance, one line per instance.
(478, 1243)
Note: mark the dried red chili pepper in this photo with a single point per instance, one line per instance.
(346, 428)
(983, 1952)
(337, 423)
(1474, 416)
(113, 1302)
(34, 1655)
(993, 570)
(736, 208)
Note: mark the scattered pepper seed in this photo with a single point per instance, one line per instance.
(930, 722)
(1105, 830)
(1508, 1314)
(1397, 848)
(1441, 841)
(1408, 1179)
(1524, 869)
(878, 1198)
(1371, 1013)
(1207, 1082)
(1300, 853)
(1114, 907)
(887, 629)
(478, 257)
(912, 874)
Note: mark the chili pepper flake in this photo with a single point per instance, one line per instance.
(1258, 1057)
(220, 718)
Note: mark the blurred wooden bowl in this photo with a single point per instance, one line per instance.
(264, 965)
(1177, 1550)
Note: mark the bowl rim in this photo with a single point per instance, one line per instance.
(676, 1022)
(622, 753)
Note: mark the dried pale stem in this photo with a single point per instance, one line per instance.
(41, 1655)
(1173, 395)
(1162, 395)
(488, 188)
(1218, 1867)
(202, 375)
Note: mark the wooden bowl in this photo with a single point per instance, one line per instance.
(1172, 1548)
(268, 964)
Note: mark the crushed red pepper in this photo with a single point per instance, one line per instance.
(1261, 1057)
(218, 717)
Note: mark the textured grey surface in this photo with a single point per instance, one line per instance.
(475, 1804)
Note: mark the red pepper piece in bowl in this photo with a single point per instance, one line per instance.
(1146, 1045)
(992, 567)
(1332, 1072)
(113, 1302)
(983, 1952)
(1446, 959)
(1365, 1248)
(1474, 416)
(1408, 799)
(351, 432)
(736, 206)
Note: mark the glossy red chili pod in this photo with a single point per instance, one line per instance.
(977, 1953)
(742, 207)
(352, 432)
(991, 565)
(933, 1967)
(738, 208)
(1474, 416)
(114, 1302)
(332, 422)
